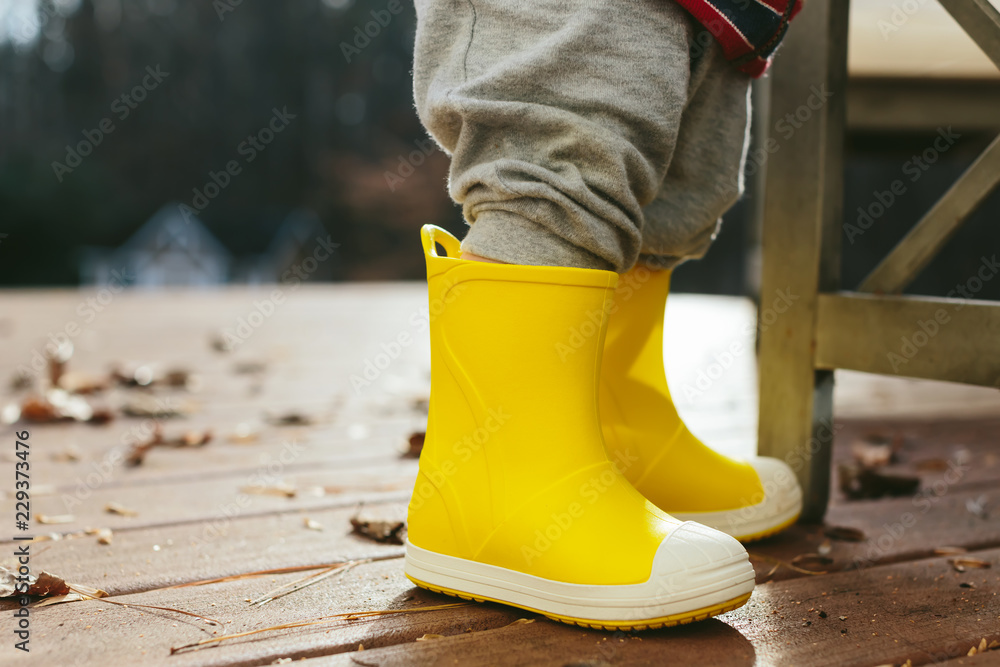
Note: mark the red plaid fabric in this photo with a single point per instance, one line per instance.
(748, 30)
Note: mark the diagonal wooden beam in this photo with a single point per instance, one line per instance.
(919, 246)
(981, 21)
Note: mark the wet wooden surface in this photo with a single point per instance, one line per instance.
(197, 513)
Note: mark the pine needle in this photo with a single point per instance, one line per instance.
(278, 570)
(780, 563)
(305, 582)
(149, 606)
(346, 616)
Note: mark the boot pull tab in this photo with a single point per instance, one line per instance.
(432, 235)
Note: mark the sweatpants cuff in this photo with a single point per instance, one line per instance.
(508, 237)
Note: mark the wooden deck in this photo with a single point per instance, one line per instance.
(893, 596)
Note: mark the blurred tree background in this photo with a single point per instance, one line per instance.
(184, 85)
(227, 64)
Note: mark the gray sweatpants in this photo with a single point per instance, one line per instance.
(582, 133)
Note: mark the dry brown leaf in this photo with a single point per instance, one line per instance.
(872, 451)
(76, 382)
(858, 482)
(290, 419)
(812, 560)
(41, 585)
(844, 533)
(961, 564)
(244, 433)
(931, 465)
(53, 519)
(387, 532)
(146, 405)
(69, 455)
(415, 444)
(285, 490)
(120, 510)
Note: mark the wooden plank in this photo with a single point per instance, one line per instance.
(912, 254)
(799, 246)
(256, 492)
(981, 21)
(229, 544)
(913, 611)
(94, 632)
(877, 104)
(944, 339)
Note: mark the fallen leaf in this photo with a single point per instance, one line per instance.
(57, 360)
(52, 519)
(115, 508)
(844, 534)
(872, 452)
(220, 342)
(147, 405)
(42, 585)
(286, 490)
(931, 465)
(21, 381)
(429, 637)
(387, 532)
(813, 560)
(415, 444)
(858, 482)
(961, 564)
(76, 382)
(243, 434)
(290, 419)
(249, 367)
(69, 455)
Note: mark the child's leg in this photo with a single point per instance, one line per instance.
(563, 118)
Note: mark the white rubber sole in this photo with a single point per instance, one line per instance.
(667, 598)
(781, 506)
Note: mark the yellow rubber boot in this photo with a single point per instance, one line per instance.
(672, 467)
(516, 500)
